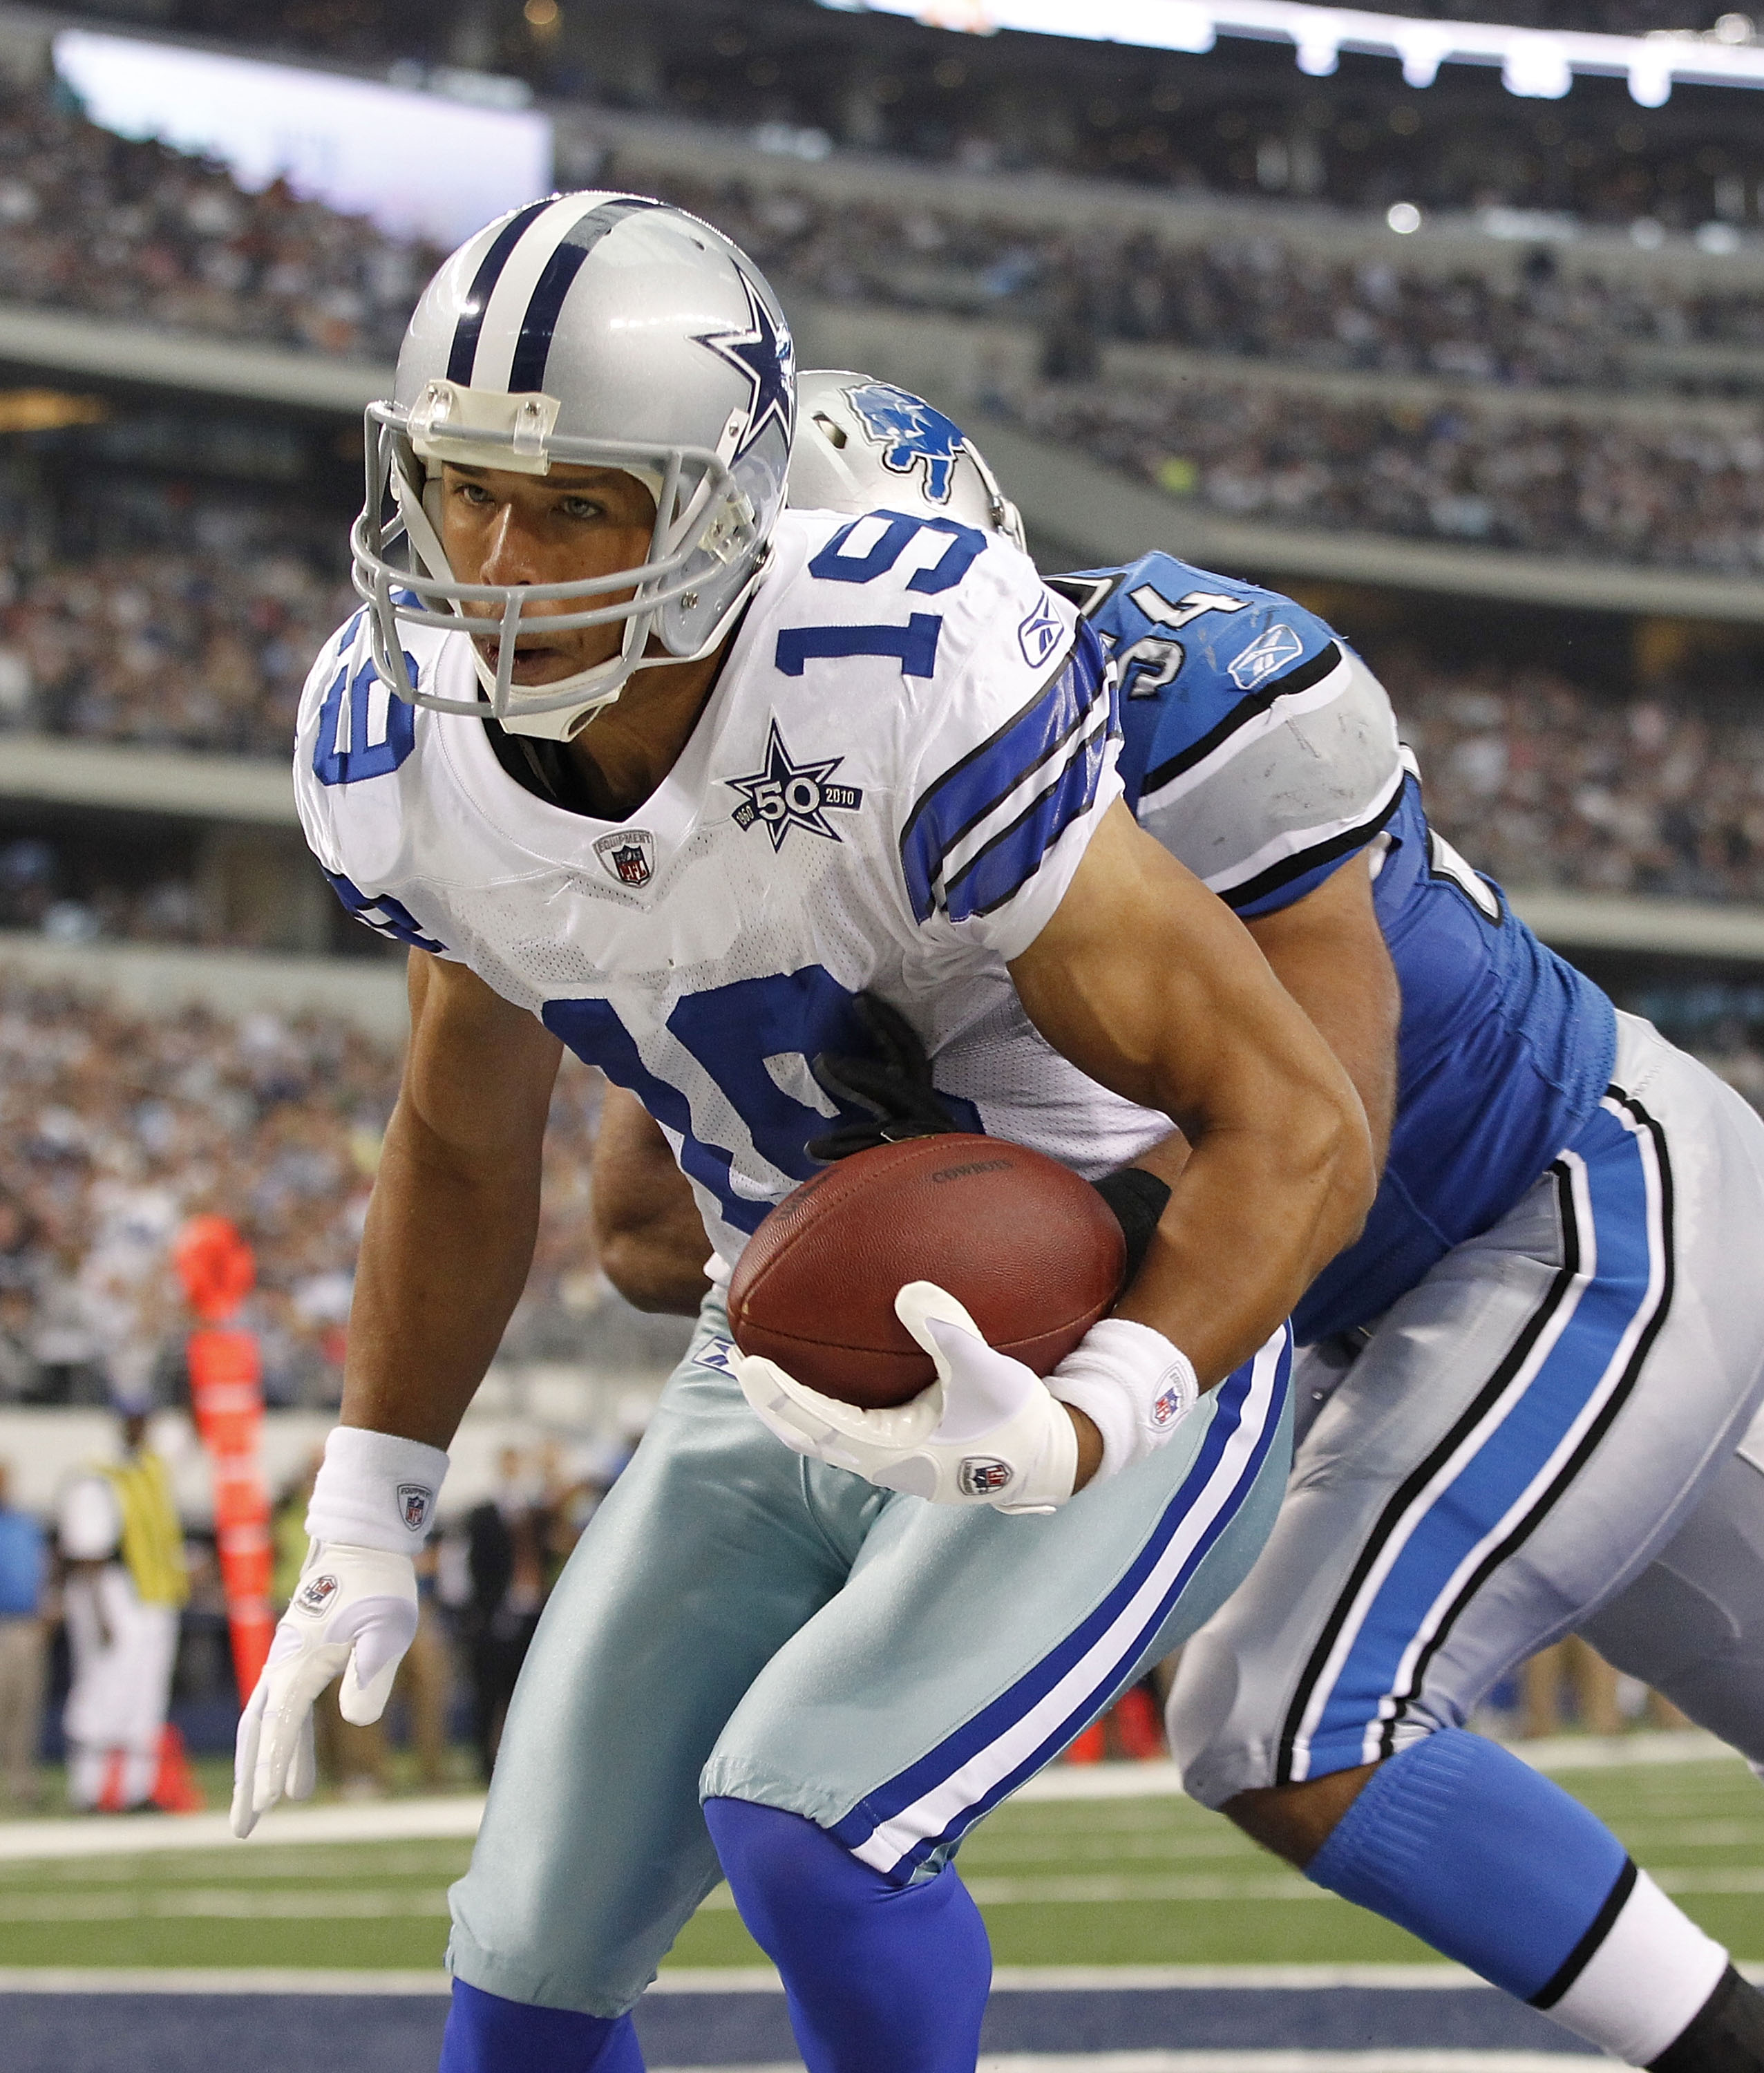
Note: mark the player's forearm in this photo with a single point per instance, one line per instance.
(444, 1257)
(1222, 1269)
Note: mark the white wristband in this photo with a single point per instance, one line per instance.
(376, 1490)
(1132, 1385)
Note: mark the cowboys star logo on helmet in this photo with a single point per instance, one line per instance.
(912, 435)
(763, 352)
(685, 380)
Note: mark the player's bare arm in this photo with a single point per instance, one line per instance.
(455, 1211)
(1151, 985)
(647, 1230)
(1329, 952)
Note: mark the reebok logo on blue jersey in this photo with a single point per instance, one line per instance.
(1040, 633)
(787, 794)
(1266, 653)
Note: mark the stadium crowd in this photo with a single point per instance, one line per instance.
(206, 645)
(115, 1126)
(1264, 297)
(136, 231)
(1237, 120)
(1541, 785)
(1675, 497)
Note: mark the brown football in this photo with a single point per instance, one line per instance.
(1031, 1251)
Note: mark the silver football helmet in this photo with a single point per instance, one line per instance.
(861, 443)
(599, 329)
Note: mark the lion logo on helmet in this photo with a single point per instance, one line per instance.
(911, 433)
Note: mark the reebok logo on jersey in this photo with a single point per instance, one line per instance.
(787, 794)
(416, 1501)
(1269, 651)
(1040, 633)
(315, 1595)
(629, 856)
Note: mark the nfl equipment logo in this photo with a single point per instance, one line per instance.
(1168, 1406)
(629, 856)
(981, 1476)
(414, 1500)
(316, 1594)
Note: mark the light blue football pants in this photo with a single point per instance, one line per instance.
(738, 1622)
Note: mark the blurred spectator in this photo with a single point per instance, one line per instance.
(506, 1540)
(23, 1654)
(122, 1547)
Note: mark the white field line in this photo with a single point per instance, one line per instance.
(748, 1979)
(133, 1835)
(1243, 2062)
(416, 1821)
(224, 1903)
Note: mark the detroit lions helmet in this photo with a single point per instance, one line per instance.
(599, 329)
(862, 444)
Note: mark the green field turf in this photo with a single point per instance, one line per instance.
(1151, 1880)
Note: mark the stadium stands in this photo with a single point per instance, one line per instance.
(95, 222)
(1241, 119)
(115, 1124)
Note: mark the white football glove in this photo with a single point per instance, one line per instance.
(354, 1612)
(988, 1431)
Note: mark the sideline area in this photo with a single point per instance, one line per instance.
(458, 1815)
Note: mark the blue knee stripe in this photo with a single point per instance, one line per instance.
(1477, 1854)
(487, 2034)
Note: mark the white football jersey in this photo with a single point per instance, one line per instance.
(910, 745)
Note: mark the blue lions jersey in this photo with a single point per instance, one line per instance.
(1262, 753)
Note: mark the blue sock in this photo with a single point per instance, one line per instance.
(487, 2034)
(880, 1978)
(1478, 1855)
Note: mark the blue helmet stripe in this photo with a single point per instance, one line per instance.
(461, 360)
(533, 348)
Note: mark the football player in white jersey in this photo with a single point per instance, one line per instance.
(1468, 1486)
(638, 763)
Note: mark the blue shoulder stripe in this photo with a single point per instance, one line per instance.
(987, 775)
(1014, 855)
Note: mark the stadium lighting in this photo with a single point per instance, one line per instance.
(1535, 63)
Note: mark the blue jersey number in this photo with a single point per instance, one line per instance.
(915, 645)
(739, 1033)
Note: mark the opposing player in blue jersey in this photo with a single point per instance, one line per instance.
(1527, 1385)
(639, 762)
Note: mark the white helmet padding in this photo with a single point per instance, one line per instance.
(598, 330)
(861, 443)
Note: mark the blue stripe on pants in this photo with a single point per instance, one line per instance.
(1246, 1420)
(1613, 1235)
